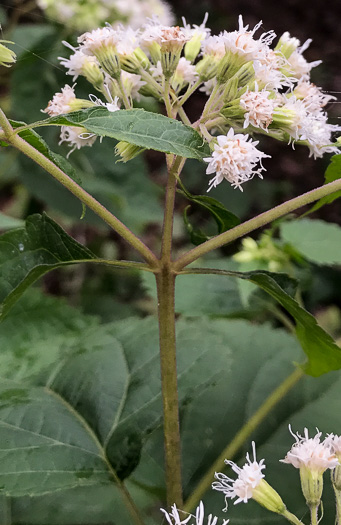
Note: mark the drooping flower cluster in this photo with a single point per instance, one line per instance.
(251, 87)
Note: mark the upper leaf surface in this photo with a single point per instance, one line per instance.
(317, 241)
(28, 253)
(139, 127)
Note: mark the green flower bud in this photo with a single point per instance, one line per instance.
(7, 56)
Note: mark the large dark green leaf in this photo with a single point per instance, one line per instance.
(99, 388)
(323, 353)
(333, 172)
(317, 241)
(139, 127)
(261, 359)
(28, 253)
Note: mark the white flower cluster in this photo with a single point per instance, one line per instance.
(87, 14)
(251, 86)
(310, 455)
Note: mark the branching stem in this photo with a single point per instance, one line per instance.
(79, 192)
(256, 222)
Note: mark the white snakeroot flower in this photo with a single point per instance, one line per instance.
(297, 64)
(77, 62)
(60, 102)
(208, 86)
(249, 476)
(111, 106)
(93, 41)
(334, 442)
(185, 73)
(258, 108)
(132, 84)
(310, 454)
(76, 138)
(214, 46)
(173, 517)
(242, 42)
(234, 158)
(312, 96)
(200, 32)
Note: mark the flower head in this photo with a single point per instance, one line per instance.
(61, 102)
(310, 453)
(7, 56)
(248, 478)
(234, 158)
(173, 517)
(258, 108)
(76, 137)
(243, 43)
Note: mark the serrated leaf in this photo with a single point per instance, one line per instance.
(224, 219)
(317, 241)
(35, 140)
(45, 446)
(137, 126)
(323, 353)
(110, 379)
(28, 253)
(333, 172)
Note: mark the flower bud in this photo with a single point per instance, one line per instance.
(268, 497)
(127, 151)
(7, 56)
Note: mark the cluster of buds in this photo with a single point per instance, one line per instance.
(250, 87)
(310, 455)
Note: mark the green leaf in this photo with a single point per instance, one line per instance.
(323, 353)
(28, 253)
(8, 223)
(224, 219)
(45, 445)
(136, 126)
(35, 140)
(333, 172)
(260, 358)
(317, 241)
(108, 382)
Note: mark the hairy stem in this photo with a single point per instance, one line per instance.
(338, 506)
(291, 517)
(165, 281)
(79, 192)
(256, 222)
(314, 514)
(244, 433)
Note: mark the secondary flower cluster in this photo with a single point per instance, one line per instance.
(87, 14)
(310, 455)
(250, 86)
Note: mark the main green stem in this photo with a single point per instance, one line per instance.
(79, 192)
(244, 433)
(165, 281)
(256, 222)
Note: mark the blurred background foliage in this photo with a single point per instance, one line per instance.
(134, 192)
